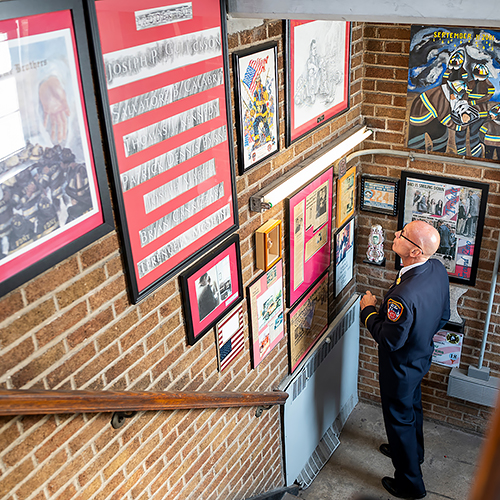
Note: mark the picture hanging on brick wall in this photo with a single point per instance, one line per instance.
(456, 208)
(165, 99)
(229, 338)
(344, 256)
(346, 188)
(317, 74)
(256, 80)
(211, 288)
(54, 196)
(453, 99)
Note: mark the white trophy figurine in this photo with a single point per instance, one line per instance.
(375, 252)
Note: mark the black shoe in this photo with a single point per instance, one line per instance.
(385, 450)
(389, 483)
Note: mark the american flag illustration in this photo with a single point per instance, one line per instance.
(230, 348)
(254, 69)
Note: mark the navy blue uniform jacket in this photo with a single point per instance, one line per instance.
(412, 312)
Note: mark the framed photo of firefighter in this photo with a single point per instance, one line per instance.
(256, 77)
(307, 321)
(164, 90)
(379, 194)
(309, 230)
(211, 288)
(344, 256)
(346, 186)
(317, 74)
(54, 196)
(456, 208)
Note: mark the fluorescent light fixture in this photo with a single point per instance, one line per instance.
(307, 170)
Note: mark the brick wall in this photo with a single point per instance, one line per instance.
(384, 109)
(73, 327)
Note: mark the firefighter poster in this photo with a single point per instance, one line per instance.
(257, 98)
(453, 98)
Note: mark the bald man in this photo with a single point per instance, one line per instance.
(416, 306)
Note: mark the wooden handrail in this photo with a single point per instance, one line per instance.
(27, 402)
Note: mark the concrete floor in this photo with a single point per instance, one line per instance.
(355, 469)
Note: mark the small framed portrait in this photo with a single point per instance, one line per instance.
(256, 77)
(266, 305)
(456, 208)
(211, 288)
(346, 186)
(317, 73)
(229, 338)
(268, 244)
(379, 194)
(344, 256)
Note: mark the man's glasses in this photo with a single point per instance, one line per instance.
(401, 235)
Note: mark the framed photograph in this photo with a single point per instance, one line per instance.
(456, 208)
(268, 244)
(54, 196)
(317, 74)
(346, 186)
(211, 288)
(229, 338)
(257, 103)
(309, 221)
(344, 256)
(266, 305)
(379, 195)
(163, 70)
(307, 321)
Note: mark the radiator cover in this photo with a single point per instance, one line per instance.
(322, 393)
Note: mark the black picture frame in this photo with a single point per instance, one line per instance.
(222, 265)
(178, 244)
(461, 231)
(248, 65)
(379, 194)
(48, 170)
(344, 255)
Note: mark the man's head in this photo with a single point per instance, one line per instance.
(416, 242)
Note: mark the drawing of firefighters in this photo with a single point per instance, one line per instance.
(260, 113)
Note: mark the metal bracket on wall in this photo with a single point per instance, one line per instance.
(260, 410)
(119, 417)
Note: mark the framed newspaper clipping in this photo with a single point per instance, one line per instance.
(164, 87)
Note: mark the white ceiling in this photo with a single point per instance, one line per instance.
(445, 12)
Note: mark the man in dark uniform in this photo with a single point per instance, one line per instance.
(416, 306)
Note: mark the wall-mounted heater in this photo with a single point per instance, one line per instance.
(322, 393)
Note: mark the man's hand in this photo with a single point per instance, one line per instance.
(368, 299)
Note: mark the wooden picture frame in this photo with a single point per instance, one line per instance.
(211, 288)
(346, 191)
(379, 194)
(456, 208)
(54, 197)
(317, 74)
(168, 124)
(268, 244)
(257, 104)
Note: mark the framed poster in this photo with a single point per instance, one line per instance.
(456, 208)
(265, 302)
(346, 186)
(453, 94)
(211, 288)
(344, 256)
(256, 77)
(379, 195)
(229, 338)
(307, 321)
(309, 221)
(164, 89)
(317, 74)
(54, 196)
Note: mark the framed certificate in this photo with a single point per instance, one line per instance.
(379, 194)
(164, 87)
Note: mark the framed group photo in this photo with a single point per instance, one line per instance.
(54, 196)
(456, 208)
(379, 195)
(317, 73)
(257, 103)
(211, 288)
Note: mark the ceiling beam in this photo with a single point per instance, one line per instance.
(444, 12)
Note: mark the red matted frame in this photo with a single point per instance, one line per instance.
(309, 227)
(164, 89)
(202, 310)
(54, 198)
(318, 74)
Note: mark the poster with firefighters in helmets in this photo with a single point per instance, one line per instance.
(453, 98)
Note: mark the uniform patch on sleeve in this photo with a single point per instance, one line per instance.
(394, 309)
